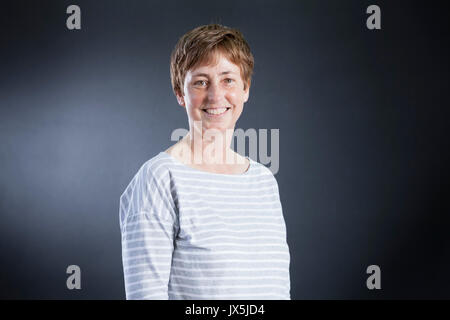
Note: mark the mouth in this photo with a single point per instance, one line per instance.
(216, 112)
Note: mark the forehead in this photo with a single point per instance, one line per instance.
(219, 63)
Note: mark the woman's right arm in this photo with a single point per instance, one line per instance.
(148, 229)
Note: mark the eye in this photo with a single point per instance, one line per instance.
(200, 82)
(229, 80)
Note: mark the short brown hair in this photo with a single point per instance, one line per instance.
(200, 44)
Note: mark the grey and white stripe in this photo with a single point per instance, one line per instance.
(191, 234)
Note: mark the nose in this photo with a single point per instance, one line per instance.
(215, 93)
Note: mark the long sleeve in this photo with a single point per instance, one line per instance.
(276, 193)
(148, 223)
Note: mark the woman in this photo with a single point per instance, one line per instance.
(199, 221)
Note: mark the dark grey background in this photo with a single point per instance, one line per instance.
(363, 118)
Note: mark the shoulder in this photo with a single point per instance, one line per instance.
(156, 168)
(264, 173)
(261, 169)
(153, 171)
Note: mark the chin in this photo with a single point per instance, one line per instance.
(218, 126)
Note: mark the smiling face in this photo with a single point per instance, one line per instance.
(214, 94)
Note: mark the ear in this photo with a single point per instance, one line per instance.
(180, 98)
(246, 92)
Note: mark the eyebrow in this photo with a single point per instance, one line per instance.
(205, 75)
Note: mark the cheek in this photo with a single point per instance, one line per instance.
(195, 98)
(235, 97)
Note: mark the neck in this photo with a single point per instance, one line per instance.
(210, 147)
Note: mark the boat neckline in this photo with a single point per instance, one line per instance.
(211, 173)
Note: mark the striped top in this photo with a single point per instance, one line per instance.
(192, 234)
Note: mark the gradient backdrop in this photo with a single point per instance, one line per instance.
(363, 118)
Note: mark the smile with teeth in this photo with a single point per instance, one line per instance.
(217, 111)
